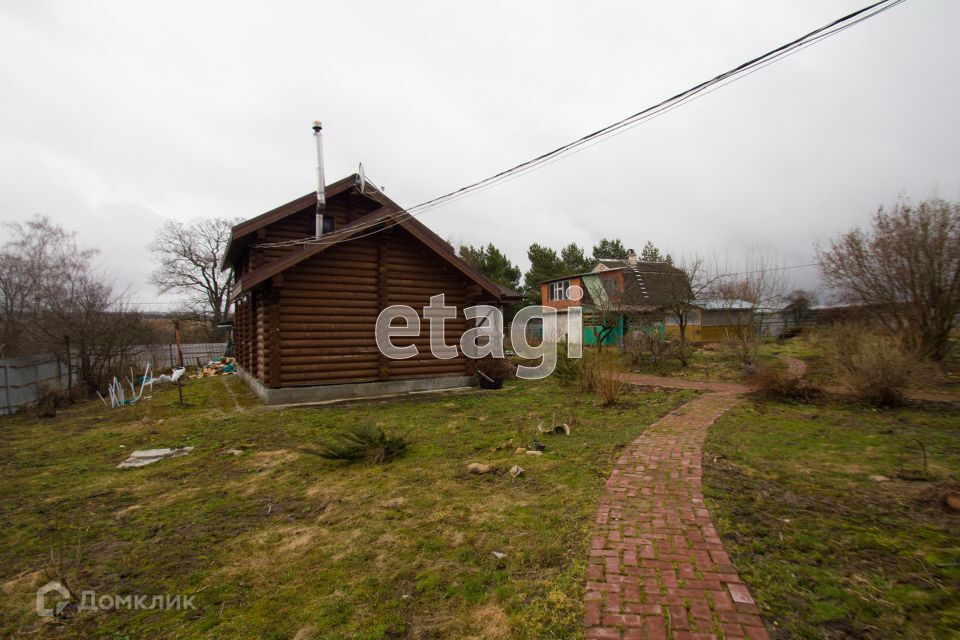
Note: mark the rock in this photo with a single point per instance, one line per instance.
(520, 450)
(233, 452)
(499, 555)
(516, 471)
(953, 500)
(534, 453)
(880, 478)
(476, 467)
(393, 503)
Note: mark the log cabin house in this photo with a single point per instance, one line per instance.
(306, 311)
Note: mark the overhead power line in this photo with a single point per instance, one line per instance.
(645, 115)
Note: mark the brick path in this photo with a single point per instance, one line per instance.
(657, 566)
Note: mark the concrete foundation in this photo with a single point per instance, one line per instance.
(348, 391)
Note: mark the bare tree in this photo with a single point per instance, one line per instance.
(53, 294)
(746, 297)
(682, 300)
(907, 268)
(191, 255)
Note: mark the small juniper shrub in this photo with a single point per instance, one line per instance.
(567, 371)
(773, 384)
(364, 442)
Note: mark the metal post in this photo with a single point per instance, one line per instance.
(176, 327)
(321, 187)
(6, 387)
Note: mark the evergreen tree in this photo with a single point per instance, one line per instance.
(492, 263)
(544, 264)
(574, 260)
(609, 249)
(650, 253)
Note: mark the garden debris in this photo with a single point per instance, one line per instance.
(393, 503)
(555, 429)
(476, 467)
(117, 395)
(149, 456)
(217, 367)
(516, 471)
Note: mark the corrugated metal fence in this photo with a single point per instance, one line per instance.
(22, 378)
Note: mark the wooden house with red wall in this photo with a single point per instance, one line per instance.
(306, 306)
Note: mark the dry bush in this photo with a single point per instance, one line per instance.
(774, 384)
(50, 400)
(608, 378)
(876, 369)
(497, 368)
(644, 350)
(588, 371)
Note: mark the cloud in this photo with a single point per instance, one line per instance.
(118, 115)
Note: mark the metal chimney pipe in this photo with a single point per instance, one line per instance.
(321, 194)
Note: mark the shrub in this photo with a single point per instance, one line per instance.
(588, 371)
(606, 377)
(49, 400)
(876, 369)
(774, 384)
(567, 370)
(644, 350)
(497, 368)
(363, 442)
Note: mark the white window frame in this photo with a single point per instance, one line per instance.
(558, 290)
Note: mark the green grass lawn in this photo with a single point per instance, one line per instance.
(828, 552)
(279, 543)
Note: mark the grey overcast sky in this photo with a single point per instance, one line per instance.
(117, 115)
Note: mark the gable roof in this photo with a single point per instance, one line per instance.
(245, 228)
(390, 213)
(646, 284)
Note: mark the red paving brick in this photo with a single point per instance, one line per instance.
(657, 567)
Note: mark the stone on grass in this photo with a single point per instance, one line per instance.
(476, 467)
(520, 450)
(149, 456)
(880, 478)
(499, 555)
(534, 453)
(953, 500)
(516, 470)
(233, 452)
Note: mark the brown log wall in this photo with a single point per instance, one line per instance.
(328, 306)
